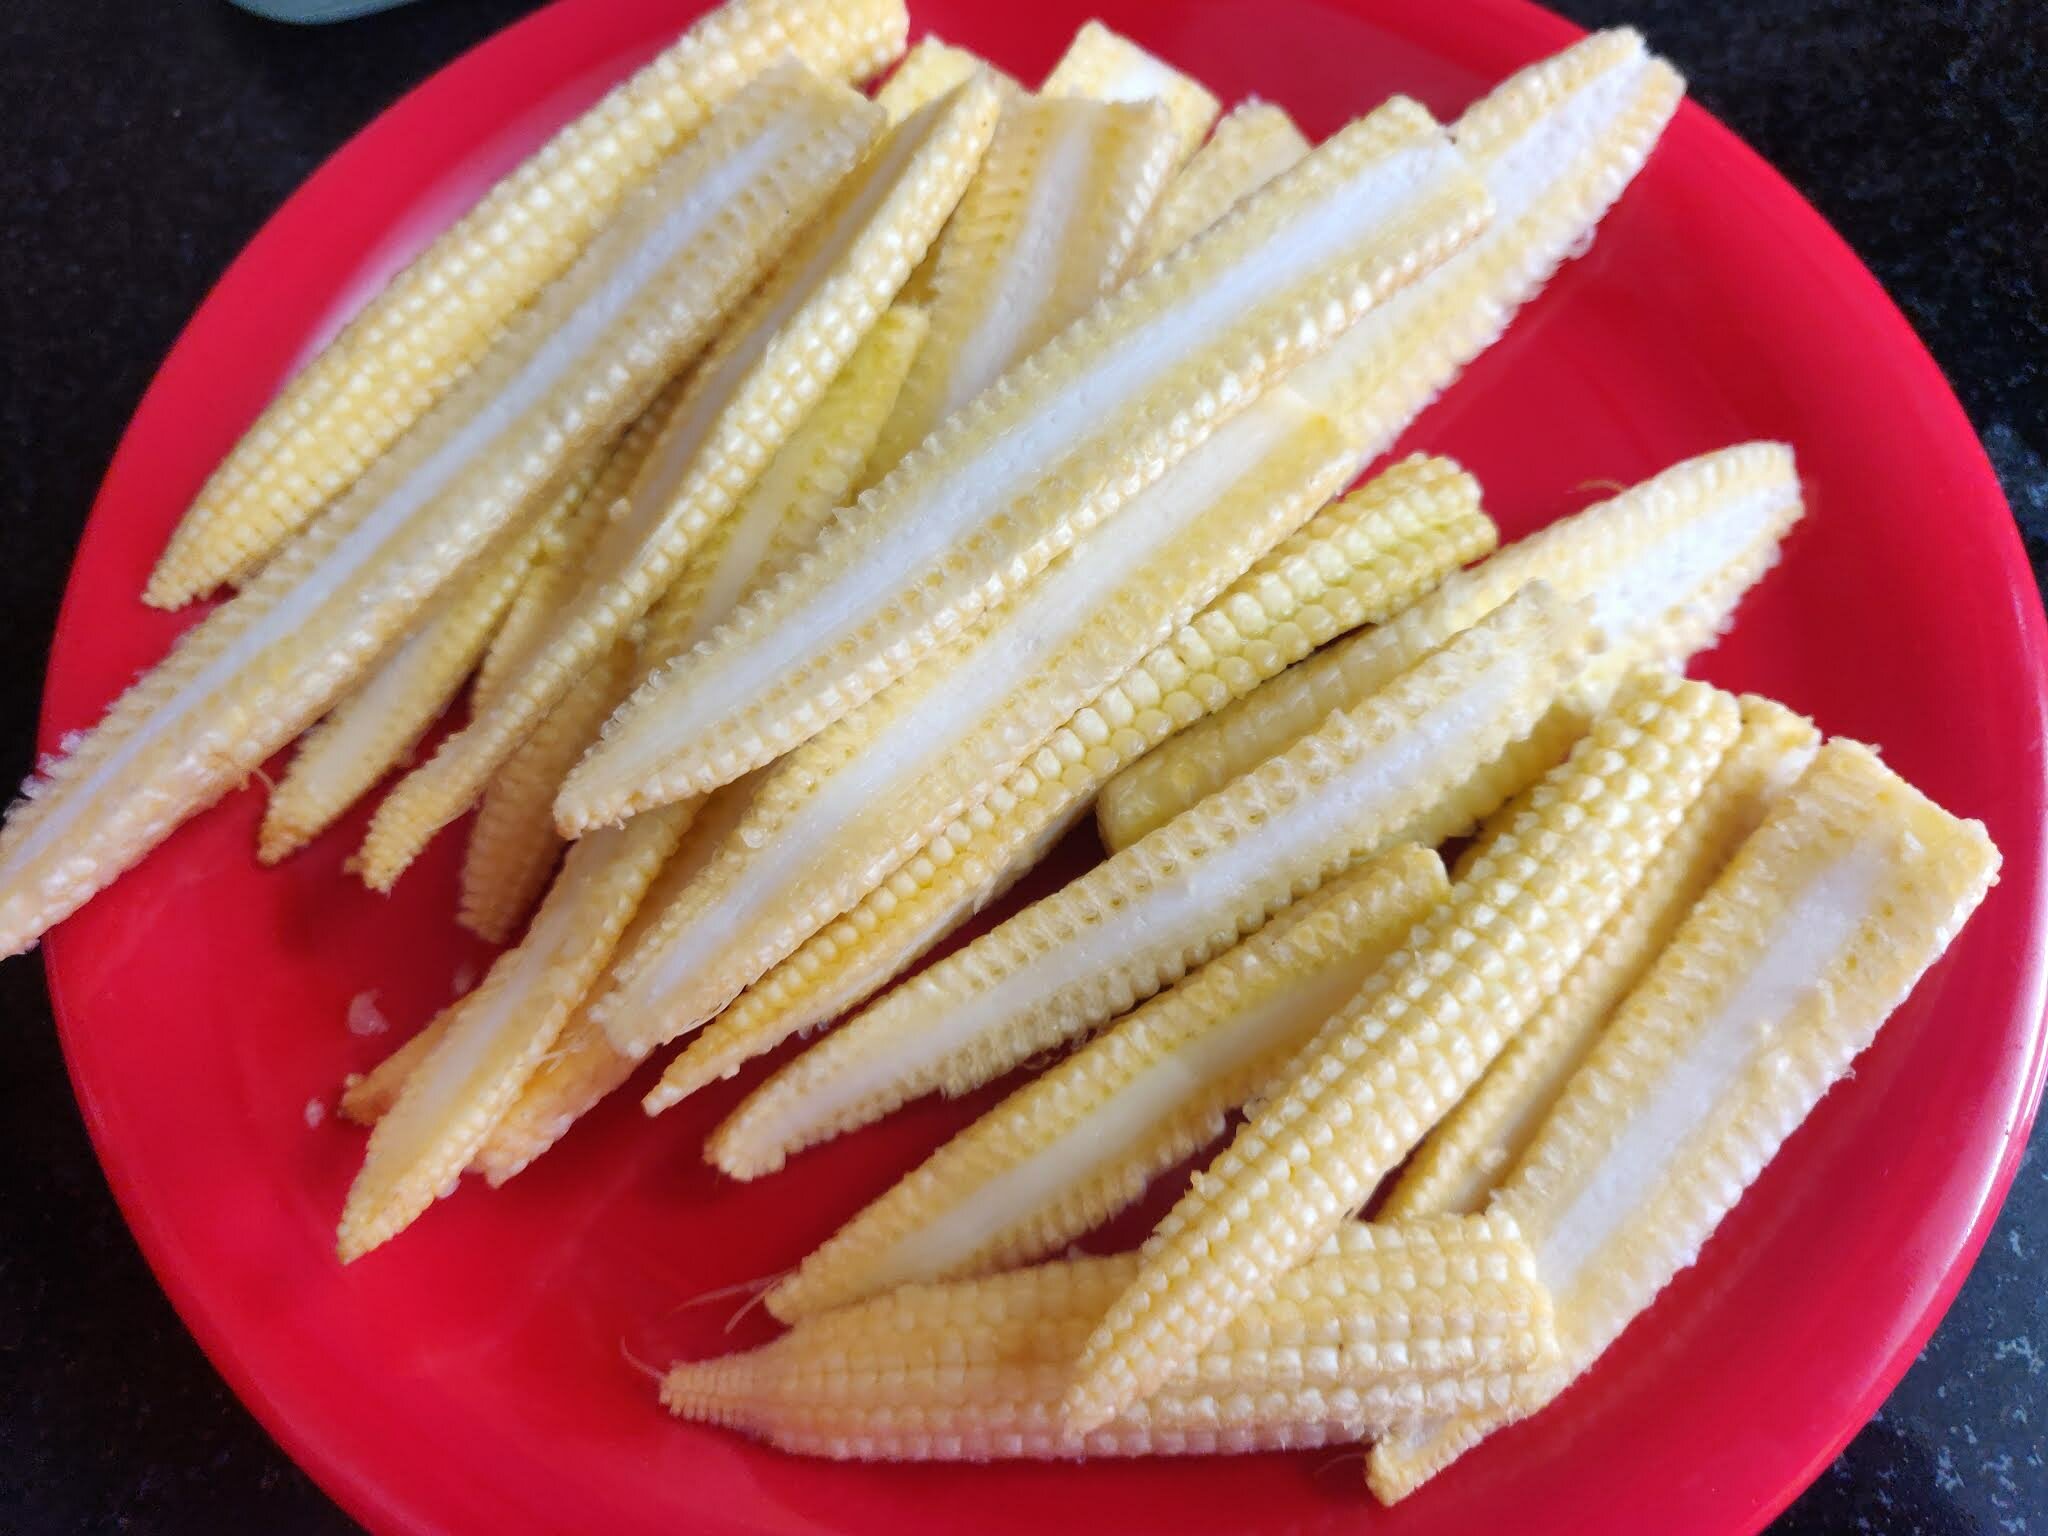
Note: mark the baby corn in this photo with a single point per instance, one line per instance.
(741, 406)
(1662, 564)
(1419, 1033)
(1061, 442)
(1139, 921)
(1390, 1324)
(1357, 561)
(1047, 227)
(1107, 67)
(367, 1096)
(928, 71)
(572, 372)
(1777, 980)
(495, 1037)
(436, 319)
(840, 813)
(1071, 1148)
(1465, 1157)
(1255, 142)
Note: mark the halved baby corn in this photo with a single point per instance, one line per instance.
(514, 841)
(931, 68)
(1050, 224)
(1139, 921)
(1253, 143)
(841, 812)
(1357, 561)
(1416, 1037)
(1107, 66)
(745, 399)
(1061, 442)
(572, 372)
(1071, 1148)
(1662, 564)
(436, 319)
(494, 1038)
(1818, 929)
(1464, 1158)
(375, 728)
(1393, 1324)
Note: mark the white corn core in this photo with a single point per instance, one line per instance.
(1815, 928)
(699, 206)
(1641, 594)
(1165, 919)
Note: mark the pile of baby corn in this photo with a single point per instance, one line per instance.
(833, 497)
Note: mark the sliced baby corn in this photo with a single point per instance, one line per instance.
(435, 320)
(1358, 560)
(1662, 564)
(1050, 224)
(931, 68)
(1253, 143)
(571, 373)
(1071, 1148)
(1464, 1158)
(1419, 1033)
(1106, 66)
(1818, 929)
(367, 1096)
(376, 727)
(837, 816)
(1556, 145)
(1061, 442)
(582, 1068)
(740, 407)
(496, 1036)
(1139, 921)
(1392, 1323)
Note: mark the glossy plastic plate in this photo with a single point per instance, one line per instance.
(476, 1374)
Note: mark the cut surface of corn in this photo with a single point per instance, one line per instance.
(1416, 1037)
(1140, 920)
(1663, 565)
(1253, 143)
(367, 1096)
(1463, 1160)
(496, 1036)
(434, 321)
(1060, 443)
(1391, 1323)
(744, 401)
(1818, 929)
(1106, 66)
(1357, 561)
(843, 810)
(574, 370)
(1049, 224)
(1068, 1150)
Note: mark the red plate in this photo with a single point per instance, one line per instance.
(475, 1374)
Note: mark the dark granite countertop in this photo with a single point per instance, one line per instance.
(142, 144)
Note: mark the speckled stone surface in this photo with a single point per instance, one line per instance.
(141, 145)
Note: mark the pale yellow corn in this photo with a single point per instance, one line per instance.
(434, 322)
(1781, 975)
(1070, 1149)
(844, 810)
(1416, 1037)
(1662, 565)
(513, 846)
(1106, 66)
(367, 1096)
(1140, 920)
(745, 400)
(496, 1036)
(931, 68)
(1357, 561)
(1394, 1324)
(582, 1068)
(1463, 1160)
(1064, 440)
(575, 369)
(1050, 223)
(1253, 143)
